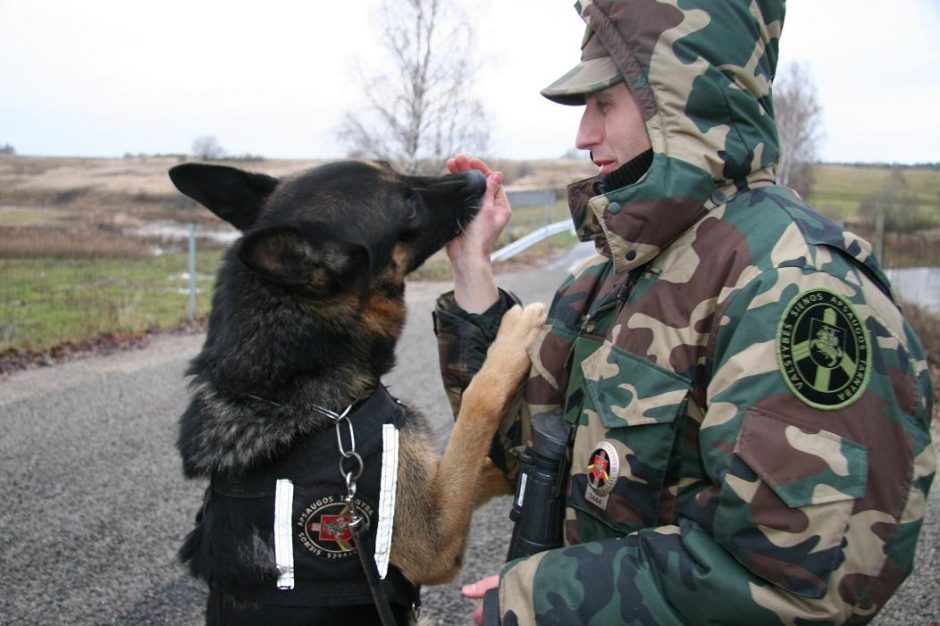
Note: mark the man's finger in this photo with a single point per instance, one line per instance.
(494, 182)
(478, 164)
(479, 588)
(459, 163)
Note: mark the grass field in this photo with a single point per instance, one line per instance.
(840, 189)
(72, 269)
(52, 300)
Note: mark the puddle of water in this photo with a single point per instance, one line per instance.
(180, 231)
(918, 285)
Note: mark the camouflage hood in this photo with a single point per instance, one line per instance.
(701, 73)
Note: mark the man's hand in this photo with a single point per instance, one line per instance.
(476, 591)
(479, 237)
(469, 254)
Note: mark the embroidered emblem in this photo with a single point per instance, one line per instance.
(823, 350)
(603, 468)
(323, 527)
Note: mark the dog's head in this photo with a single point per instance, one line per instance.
(336, 227)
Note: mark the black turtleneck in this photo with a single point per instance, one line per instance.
(629, 172)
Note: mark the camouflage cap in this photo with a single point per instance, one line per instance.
(596, 71)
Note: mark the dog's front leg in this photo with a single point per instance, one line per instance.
(492, 483)
(457, 485)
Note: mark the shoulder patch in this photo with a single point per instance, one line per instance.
(823, 350)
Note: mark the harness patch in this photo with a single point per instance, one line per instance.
(323, 527)
(823, 350)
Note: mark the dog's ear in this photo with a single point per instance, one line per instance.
(232, 194)
(306, 257)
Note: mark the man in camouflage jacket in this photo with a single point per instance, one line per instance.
(750, 409)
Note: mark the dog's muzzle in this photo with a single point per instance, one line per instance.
(475, 185)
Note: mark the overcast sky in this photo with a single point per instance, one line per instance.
(109, 77)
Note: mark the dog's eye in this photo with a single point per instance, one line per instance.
(413, 204)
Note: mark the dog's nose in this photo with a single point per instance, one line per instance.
(475, 182)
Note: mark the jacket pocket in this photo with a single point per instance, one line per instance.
(626, 447)
(785, 503)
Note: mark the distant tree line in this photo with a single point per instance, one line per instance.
(204, 148)
(208, 148)
(7, 149)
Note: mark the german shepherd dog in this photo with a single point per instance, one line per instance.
(307, 310)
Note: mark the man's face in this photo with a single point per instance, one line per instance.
(612, 128)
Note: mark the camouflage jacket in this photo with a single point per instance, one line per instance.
(751, 410)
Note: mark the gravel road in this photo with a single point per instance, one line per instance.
(93, 504)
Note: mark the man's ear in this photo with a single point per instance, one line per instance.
(232, 194)
(306, 257)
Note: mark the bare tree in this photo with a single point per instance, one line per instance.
(207, 148)
(420, 108)
(799, 123)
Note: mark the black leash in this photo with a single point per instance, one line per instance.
(360, 536)
(367, 559)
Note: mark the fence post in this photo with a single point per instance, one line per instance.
(192, 273)
(880, 237)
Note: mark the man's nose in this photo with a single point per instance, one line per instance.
(589, 130)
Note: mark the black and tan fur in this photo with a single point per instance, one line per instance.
(308, 307)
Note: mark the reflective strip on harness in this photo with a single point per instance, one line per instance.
(383, 536)
(283, 544)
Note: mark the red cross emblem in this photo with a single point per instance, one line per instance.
(335, 528)
(598, 468)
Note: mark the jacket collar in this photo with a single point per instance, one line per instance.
(631, 225)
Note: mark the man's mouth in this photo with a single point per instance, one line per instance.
(605, 166)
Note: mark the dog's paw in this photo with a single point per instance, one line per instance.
(507, 363)
(522, 324)
(518, 329)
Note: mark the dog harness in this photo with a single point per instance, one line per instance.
(300, 506)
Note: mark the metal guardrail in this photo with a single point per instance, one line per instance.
(531, 197)
(537, 235)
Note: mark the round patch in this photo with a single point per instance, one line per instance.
(823, 350)
(323, 527)
(603, 468)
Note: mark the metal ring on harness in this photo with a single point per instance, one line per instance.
(350, 475)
